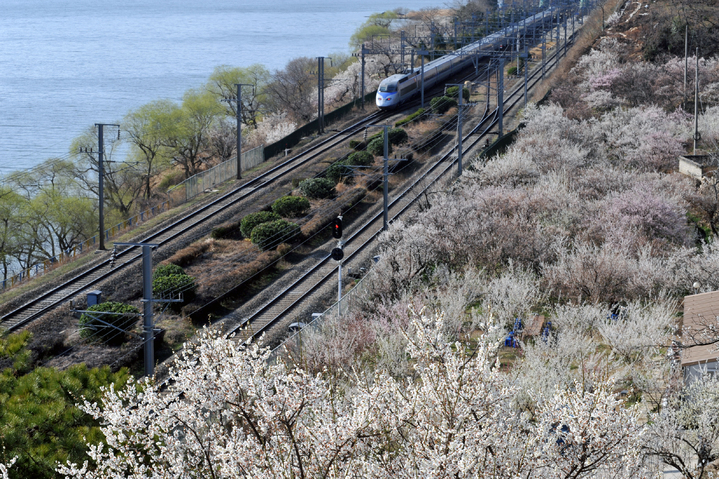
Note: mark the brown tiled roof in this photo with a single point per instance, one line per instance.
(701, 325)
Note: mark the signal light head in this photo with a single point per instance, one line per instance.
(337, 228)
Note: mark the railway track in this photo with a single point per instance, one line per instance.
(324, 271)
(103, 270)
(308, 283)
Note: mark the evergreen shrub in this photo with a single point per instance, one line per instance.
(252, 220)
(291, 206)
(268, 235)
(317, 188)
(92, 325)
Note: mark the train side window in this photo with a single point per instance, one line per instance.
(408, 88)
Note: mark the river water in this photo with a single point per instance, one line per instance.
(68, 64)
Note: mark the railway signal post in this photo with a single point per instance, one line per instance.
(337, 255)
(459, 126)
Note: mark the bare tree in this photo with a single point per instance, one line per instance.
(292, 89)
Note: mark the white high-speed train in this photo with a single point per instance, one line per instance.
(397, 89)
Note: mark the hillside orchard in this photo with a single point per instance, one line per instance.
(582, 220)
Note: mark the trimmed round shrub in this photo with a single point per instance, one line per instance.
(442, 104)
(123, 317)
(376, 147)
(453, 92)
(356, 144)
(317, 188)
(172, 286)
(291, 206)
(361, 158)
(252, 220)
(269, 235)
(338, 170)
(167, 270)
(397, 136)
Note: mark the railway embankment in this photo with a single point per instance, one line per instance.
(125, 286)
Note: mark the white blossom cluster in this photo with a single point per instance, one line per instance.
(230, 414)
(4, 468)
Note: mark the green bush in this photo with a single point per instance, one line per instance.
(453, 92)
(317, 188)
(172, 286)
(360, 158)
(338, 170)
(252, 220)
(291, 206)
(397, 136)
(375, 136)
(512, 71)
(356, 144)
(269, 235)
(167, 270)
(39, 418)
(442, 104)
(410, 118)
(376, 147)
(93, 325)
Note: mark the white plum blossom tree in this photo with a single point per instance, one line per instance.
(228, 413)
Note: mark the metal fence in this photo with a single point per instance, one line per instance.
(337, 310)
(216, 175)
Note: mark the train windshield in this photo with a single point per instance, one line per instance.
(388, 87)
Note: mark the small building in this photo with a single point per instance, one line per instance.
(696, 166)
(701, 326)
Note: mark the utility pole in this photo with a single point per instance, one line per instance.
(101, 178)
(101, 183)
(363, 95)
(238, 99)
(422, 53)
(385, 188)
(696, 104)
(544, 49)
(148, 328)
(459, 127)
(500, 95)
(686, 60)
(321, 94)
(525, 55)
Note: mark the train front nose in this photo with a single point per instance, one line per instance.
(384, 100)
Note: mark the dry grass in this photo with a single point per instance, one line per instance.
(224, 264)
(422, 129)
(186, 256)
(324, 216)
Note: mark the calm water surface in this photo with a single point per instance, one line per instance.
(68, 64)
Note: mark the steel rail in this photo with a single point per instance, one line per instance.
(103, 270)
(252, 326)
